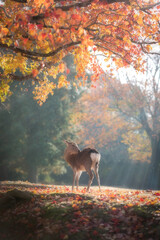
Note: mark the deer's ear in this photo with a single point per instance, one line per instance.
(66, 142)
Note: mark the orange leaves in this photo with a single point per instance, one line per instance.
(87, 41)
(35, 72)
(61, 67)
(3, 31)
(112, 213)
(62, 82)
(42, 36)
(76, 17)
(73, 35)
(127, 39)
(42, 90)
(80, 31)
(32, 28)
(67, 70)
(25, 40)
(43, 4)
(50, 28)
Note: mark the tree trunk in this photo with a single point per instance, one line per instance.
(32, 173)
(153, 177)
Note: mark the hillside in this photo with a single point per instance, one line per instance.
(36, 211)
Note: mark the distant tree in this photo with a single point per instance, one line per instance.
(35, 36)
(127, 111)
(31, 141)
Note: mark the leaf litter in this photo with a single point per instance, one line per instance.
(49, 212)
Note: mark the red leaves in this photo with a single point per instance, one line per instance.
(35, 72)
(141, 200)
(44, 35)
(25, 40)
(109, 214)
(31, 26)
(157, 194)
(76, 17)
(67, 70)
(40, 26)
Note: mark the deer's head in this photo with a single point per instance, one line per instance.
(72, 147)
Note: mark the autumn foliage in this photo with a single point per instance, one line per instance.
(36, 35)
(123, 111)
(40, 212)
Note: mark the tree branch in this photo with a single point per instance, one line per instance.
(4, 10)
(19, 1)
(149, 6)
(110, 50)
(30, 54)
(144, 122)
(144, 50)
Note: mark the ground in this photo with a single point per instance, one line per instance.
(49, 212)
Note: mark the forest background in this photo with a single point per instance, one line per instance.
(78, 98)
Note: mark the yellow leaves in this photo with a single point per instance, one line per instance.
(61, 67)
(148, 47)
(87, 41)
(4, 89)
(139, 145)
(42, 4)
(42, 90)
(45, 87)
(80, 31)
(108, 31)
(140, 20)
(53, 71)
(40, 27)
(3, 31)
(62, 82)
(81, 59)
(127, 39)
(11, 63)
(73, 36)
(42, 36)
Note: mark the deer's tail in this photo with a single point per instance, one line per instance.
(95, 157)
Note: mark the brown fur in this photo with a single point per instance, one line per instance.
(82, 161)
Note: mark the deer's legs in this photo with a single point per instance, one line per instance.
(74, 177)
(77, 178)
(91, 176)
(97, 175)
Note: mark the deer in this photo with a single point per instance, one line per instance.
(86, 160)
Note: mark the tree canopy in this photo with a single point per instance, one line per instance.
(36, 35)
(31, 141)
(125, 112)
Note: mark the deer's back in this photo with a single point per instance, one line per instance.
(83, 160)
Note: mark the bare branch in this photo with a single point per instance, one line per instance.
(149, 6)
(144, 50)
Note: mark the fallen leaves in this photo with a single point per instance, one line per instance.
(55, 211)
